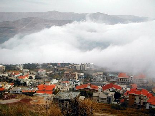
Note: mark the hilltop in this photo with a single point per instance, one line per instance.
(12, 23)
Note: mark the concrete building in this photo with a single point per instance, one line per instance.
(111, 87)
(2, 68)
(100, 97)
(19, 66)
(42, 72)
(138, 98)
(67, 74)
(16, 90)
(123, 78)
(53, 81)
(139, 79)
(64, 98)
(77, 67)
(110, 97)
(25, 71)
(80, 75)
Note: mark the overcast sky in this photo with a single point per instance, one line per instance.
(124, 7)
(122, 47)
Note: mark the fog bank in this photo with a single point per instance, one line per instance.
(121, 47)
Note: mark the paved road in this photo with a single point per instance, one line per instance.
(9, 101)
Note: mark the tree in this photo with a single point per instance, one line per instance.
(56, 91)
(85, 93)
(81, 107)
(117, 95)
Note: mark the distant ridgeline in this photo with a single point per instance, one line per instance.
(12, 23)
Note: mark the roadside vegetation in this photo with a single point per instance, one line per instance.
(85, 107)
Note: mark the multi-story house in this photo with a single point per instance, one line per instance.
(138, 98)
(123, 78)
(140, 79)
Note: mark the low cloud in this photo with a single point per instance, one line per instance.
(121, 47)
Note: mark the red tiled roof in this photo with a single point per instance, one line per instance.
(143, 92)
(117, 87)
(94, 87)
(149, 95)
(153, 103)
(1, 89)
(11, 83)
(65, 81)
(24, 91)
(23, 77)
(141, 76)
(134, 86)
(151, 99)
(138, 92)
(132, 91)
(107, 86)
(111, 85)
(48, 89)
(126, 93)
(87, 86)
(123, 75)
(82, 86)
(15, 73)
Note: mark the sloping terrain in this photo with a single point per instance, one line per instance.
(12, 23)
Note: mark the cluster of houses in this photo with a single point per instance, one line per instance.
(112, 88)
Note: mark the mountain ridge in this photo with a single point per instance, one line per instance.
(12, 23)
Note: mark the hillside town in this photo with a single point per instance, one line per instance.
(64, 82)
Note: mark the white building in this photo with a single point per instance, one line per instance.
(2, 68)
(53, 81)
(19, 66)
(42, 72)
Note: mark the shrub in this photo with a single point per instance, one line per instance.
(16, 110)
(54, 110)
(124, 104)
(29, 110)
(117, 107)
(56, 91)
(80, 108)
(85, 93)
(152, 112)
